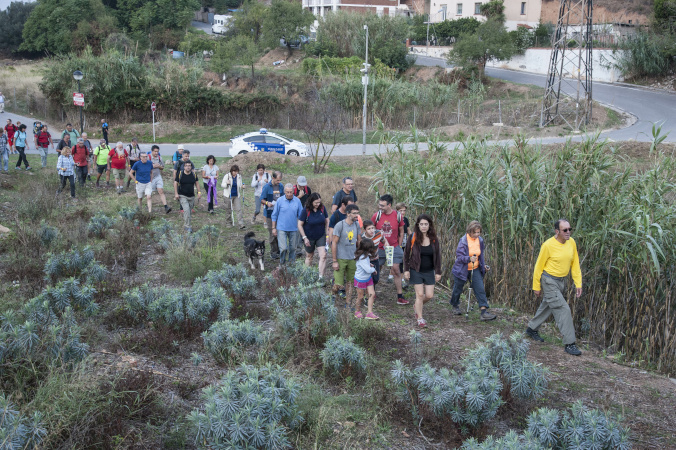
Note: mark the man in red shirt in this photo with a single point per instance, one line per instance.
(118, 159)
(42, 141)
(80, 154)
(11, 129)
(391, 223)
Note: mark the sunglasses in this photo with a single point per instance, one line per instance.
(565, 230)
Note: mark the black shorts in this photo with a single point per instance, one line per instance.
(101, 168)
(321, 242)
(426, 278)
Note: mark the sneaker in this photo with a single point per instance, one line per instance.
(107, 183)
(534, 335)
(390, 279)
(274, 256)
(456, 311)
(572, 349)
(342, 294)
(181, 211)
(253, 220)
(358, 315)
(211, 211)
(167, 209)
(485, 315)
(97, 185)
(17, 168)
(422, 323)
(28, 168)
(402, 301)
(265, 224)
(372, 316)
(241, 227)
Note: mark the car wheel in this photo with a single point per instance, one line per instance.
(243, 152)
(293, 153)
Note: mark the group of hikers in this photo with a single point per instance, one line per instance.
(300, 224)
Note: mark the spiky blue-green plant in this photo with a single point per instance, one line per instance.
(249, 408)
(99, 224)
(510, 441)
(227, 340)
(75, 263)
(47, 234)
(16, 431)
(178, 307)
(303, 274)
(343, 357)
(236, 280)
(128, 213)
(305, 310)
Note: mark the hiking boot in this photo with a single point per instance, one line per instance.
(572, 349)
(456, 311)
(167, 209)
(485, 315)
(402, 301)
(534, 335)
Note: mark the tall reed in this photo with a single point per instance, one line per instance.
(624, 224)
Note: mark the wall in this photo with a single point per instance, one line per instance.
(536, 60)
(606, 11)
(513, 16)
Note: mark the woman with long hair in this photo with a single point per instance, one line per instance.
(210, 180)
(422, 264)
(21, 145)
(313, 227)
(470, 264)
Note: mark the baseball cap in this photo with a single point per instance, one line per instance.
(80, 140)
(302, 181)
(180, 147)
(103, 141)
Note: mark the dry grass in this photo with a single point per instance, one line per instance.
(24, 77)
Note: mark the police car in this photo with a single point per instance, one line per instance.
(265, 141)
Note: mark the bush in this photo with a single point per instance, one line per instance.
(250, 408)
(179, 308)
(99, 224)
(343, 357)
(305, 310)
(189, 256)
(16, 431)
(47, 234)
(75, 263)
(473, 397)
(579, 428)
(69, 294)
(227, 340)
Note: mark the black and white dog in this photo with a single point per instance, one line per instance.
(254, 249)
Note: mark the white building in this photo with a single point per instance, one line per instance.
(517, 12)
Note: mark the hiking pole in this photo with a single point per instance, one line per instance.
(469, 292)
(232, 212)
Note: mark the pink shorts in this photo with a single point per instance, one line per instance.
(363, 284)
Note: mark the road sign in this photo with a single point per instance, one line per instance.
(153, 106)
(78, 99)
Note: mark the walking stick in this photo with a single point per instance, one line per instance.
(469, 292)
(232, 212)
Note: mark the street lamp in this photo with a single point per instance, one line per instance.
(429, 19)
(365, 82)
(78, 75)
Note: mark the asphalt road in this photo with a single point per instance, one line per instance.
(647, 106)
(206, 27)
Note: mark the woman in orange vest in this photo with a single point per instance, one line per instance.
(470, 264)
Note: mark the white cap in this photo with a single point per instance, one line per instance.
(180, 147)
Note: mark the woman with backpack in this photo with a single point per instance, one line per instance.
(422, 264)
(42, 141)
(232, 191)
(21, 145)
(259, 179)
(313, 227)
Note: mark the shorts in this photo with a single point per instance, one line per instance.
(346, 270)
(321, 242)
(119, 174)
(426, 278)
(143, 188)
(363, 284)
(398, 256)
(101, 168)
(156, 183)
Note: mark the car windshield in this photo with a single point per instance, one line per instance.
(279, 136)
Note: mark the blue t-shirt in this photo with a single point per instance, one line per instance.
(336, 217)
(233, 189)
(271, 193)
(142, 171)
(314, 225)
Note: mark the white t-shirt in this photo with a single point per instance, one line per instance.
(210, 172)
(2, 99)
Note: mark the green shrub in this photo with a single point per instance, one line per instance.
(305, 310)
(179, 308)
(303, 274)
(227, 340)
(474, 396)
(579, 428)
(250, 408)
(69, 293)
(75, 263)
(99, 224)
(343, 357)
(234, 279)
(16, 431)
(47, 234)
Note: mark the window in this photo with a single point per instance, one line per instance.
(523, 8)
(273, 140)
(255, 139)
(477, 8)
(443, 12)
(459, 10)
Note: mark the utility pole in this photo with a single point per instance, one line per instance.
(365, 82)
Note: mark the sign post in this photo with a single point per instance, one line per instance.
(153, 107)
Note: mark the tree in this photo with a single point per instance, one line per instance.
(490, 42)
(51, 25)
(664, 13)
(12, 21)
(143, 15)
(223, 58)
(246, 51)
(285, 19)
(494, 10)
(249, 19)
(324, 123)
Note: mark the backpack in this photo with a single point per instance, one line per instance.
(41, 138)
(323, 210)
(295, 191)
(380, 213)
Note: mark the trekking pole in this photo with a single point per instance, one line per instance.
(232, 212)
(469, 292)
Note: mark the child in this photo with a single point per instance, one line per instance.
(362, 277)
(66, 168)
(376, 236)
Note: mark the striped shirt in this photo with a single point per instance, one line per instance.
(65, 162)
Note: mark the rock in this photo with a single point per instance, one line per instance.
(673, 380)
(4, 229)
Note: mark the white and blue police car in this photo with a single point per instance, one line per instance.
(265, 141)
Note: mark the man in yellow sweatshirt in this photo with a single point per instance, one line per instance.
(558, 257)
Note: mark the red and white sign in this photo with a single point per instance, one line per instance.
(153, 106)
(78, 99)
